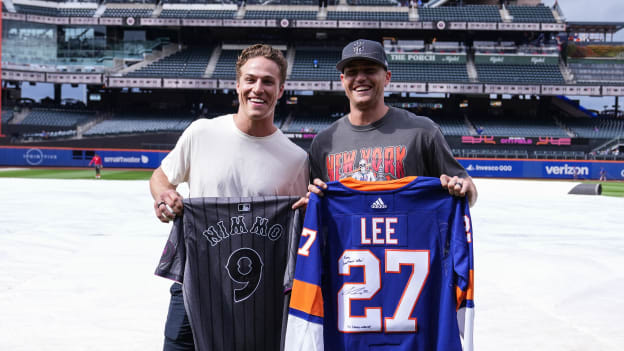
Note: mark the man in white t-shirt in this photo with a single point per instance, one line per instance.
(242, 154)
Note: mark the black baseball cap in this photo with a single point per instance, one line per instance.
(363, 49)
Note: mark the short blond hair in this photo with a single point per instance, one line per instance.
(266, 51)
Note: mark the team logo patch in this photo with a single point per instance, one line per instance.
(358, 47)
(379, 204)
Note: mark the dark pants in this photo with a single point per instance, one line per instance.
(178, 334)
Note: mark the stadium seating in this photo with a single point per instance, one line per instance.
(36, 10)
(553, 154)
(531, 14)
(132, 1)
(519, 74)
(591, 73)
(490, 153)
(519, 153)
(452, 126)
(368, 16)
(303, 66)
(127, 12)
(518, 127)
(373, 2)
(7, 116)
(50, 135)
(307, 123)
(57, 118)
(602, 127)
(139, 123)
(200, 2)
(189, 63)
(198, 14)
(225, 68)
(476, 13)
(294, 14)
(289, 2)
(75, 12)
(429, 72)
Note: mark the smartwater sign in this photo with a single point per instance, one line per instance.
(494, 168)
(63, 157)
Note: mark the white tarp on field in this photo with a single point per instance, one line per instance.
(77, 261)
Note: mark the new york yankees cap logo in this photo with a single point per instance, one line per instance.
(358, 46)
(363, 49)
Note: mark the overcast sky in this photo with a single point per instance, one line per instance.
(583, 10)
(593, 11)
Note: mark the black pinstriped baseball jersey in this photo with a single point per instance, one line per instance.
(235, 259)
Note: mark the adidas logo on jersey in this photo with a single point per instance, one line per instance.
(379, 204)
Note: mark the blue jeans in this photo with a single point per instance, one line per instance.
(178, 334)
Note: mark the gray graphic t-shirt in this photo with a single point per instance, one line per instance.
(398, 145)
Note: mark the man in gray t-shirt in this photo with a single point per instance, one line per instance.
(398, 145)
(375, 140)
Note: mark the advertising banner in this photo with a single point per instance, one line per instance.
(538, 141)
(151, 159)
(68, 157)
(427, 58)
(543, 169)
(516, 59)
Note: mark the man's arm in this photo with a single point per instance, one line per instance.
(167, 201)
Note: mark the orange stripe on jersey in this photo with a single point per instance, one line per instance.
(465, 295)
(307, 298)
(377, 185)
(470, 292)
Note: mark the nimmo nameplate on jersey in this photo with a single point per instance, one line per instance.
(378, 230)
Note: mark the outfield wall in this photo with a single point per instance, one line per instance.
(79, 157)
(491, 168)
(545, 169)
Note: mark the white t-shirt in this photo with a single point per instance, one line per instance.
(218, 159)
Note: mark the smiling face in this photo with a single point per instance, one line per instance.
(259, 87)
(364, 83)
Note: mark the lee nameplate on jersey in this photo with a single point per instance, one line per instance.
(387, 229)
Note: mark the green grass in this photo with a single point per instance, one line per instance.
(65, 173)
(613, 189)
(608, 188)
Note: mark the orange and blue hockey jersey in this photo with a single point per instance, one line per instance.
(383, 266)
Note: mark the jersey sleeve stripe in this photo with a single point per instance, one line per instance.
(305, 316)
(470, 292)
(467, 294)
(377, 185)
(307, 298)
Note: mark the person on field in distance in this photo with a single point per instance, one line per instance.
(96, 161)
(236, 155)
(394, 142)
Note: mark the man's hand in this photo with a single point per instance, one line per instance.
(167, 205)
(460, 187)
(312, 188)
